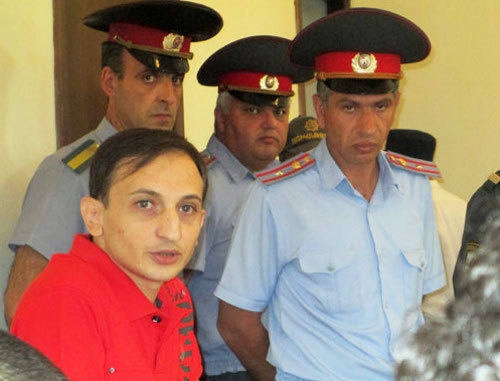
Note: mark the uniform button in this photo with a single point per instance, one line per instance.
(330, 268)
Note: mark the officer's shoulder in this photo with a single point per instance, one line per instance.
(78, 155)
(491, 185)
(208, 158)
(412, 165)
(286, 170)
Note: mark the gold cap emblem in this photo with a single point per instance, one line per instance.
(364, 63)
(311, 125)
(173, 42)
(268, 82)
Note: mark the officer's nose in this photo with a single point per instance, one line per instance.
(270, 120)
(367, 121)
(166, 90)
(169, 225)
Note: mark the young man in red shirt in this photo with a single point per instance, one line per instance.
(113, 307)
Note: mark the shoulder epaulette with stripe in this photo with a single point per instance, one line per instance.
(492, 182)
(411, 164)
(287, 169)
(80, 158)
(207, 158)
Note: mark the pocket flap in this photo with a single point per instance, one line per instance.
(416, 258)
(322, 262)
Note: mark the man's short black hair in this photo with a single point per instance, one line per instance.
(112, 56)
(137, 147)
(19, 361)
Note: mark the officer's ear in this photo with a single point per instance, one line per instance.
(92, 211)
(220, 123)
(319, 107)
(108, 80)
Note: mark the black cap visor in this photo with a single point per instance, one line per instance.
(362, 86)
(161, 62)
(261, 100)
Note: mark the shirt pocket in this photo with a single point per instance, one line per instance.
(414, 265)
(328, 278)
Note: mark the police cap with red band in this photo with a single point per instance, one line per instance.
(255, 70)
(158, 33)
(360, 44)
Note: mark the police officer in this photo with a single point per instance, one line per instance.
(304, 134)
(482, 209)
(339, 245)
(144, 62)
(254, 79)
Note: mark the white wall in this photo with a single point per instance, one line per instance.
(27, 116)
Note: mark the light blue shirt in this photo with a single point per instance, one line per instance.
(341, 277)
(50, 216)
(229, 181)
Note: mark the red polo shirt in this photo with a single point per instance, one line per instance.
(94, 323)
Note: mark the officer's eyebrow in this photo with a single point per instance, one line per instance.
(153, 193)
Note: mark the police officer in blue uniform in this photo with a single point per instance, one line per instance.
(337, 246)
(144, 62)
(254, 79)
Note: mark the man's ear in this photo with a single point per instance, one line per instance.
(108, 80)
(92, 211)
(220, 124)
(320, 110)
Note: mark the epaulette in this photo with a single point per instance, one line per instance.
(287, 169)
(492, 182)
(80, 158)
(207, 158)
(411, 164)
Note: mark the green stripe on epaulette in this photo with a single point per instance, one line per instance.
(80, 158)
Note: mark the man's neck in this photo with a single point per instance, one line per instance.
(362, 176)
(364, 179)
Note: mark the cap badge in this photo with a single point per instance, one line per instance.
(268, 82)
(311, 125)
(173, 42)
(364, 63)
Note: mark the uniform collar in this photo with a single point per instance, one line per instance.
(135, 304)
(331, 175)
(227, 160)
(105, 130)
(386, 178)
(329, 172)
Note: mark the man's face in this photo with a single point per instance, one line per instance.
(144, 97)
(255, 135)
(356, 126)
(151, 224)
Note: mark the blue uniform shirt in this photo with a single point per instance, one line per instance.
(50, 215)
(229, 181)
(341, 277)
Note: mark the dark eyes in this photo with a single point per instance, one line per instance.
(144, 204)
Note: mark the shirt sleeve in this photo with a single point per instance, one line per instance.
(435, 277)
(252, 266)
(50, 215)
(77, 349)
